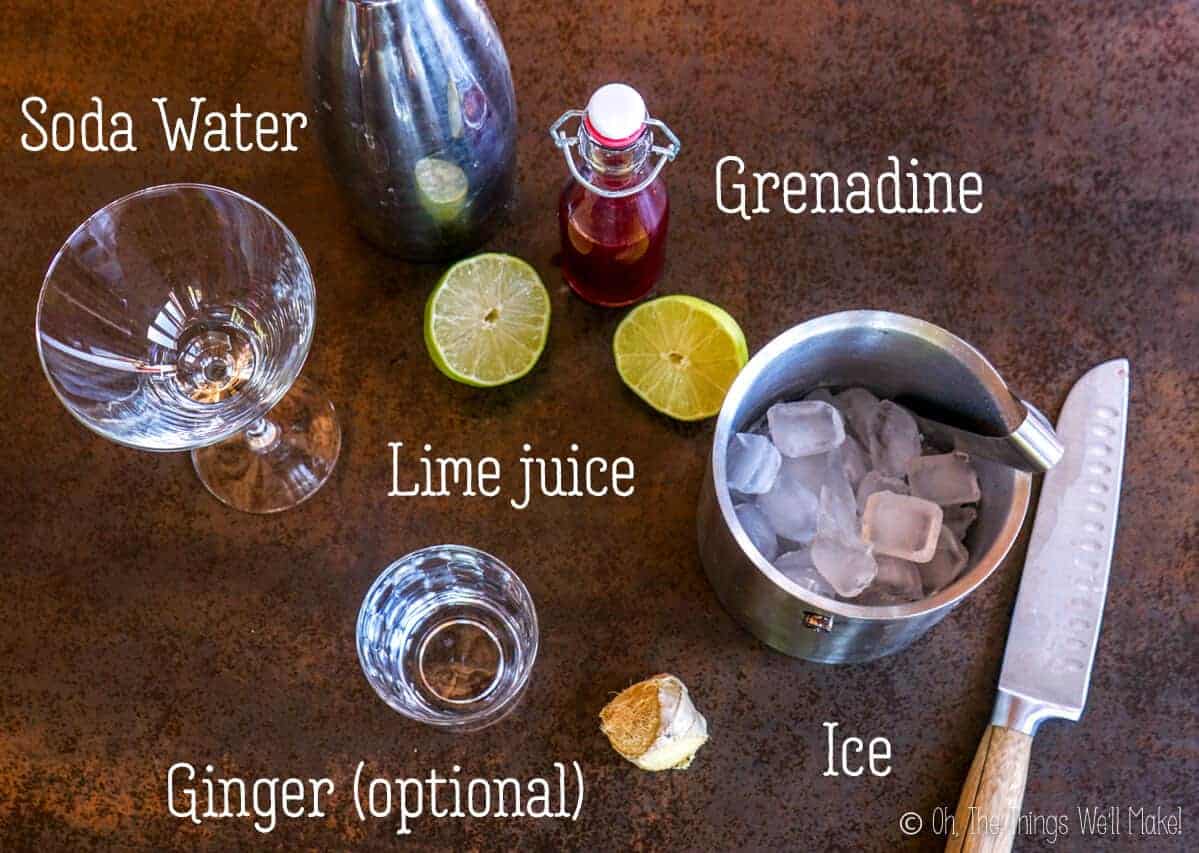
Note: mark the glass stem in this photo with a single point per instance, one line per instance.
(262, 435)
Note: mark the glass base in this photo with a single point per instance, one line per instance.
(596, 296)
(281, 460)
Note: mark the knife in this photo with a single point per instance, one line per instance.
(1055, 624)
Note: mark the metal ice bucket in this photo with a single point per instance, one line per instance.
(895, 357)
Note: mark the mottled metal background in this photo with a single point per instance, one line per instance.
(142, 622)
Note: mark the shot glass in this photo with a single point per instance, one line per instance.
(447, 635)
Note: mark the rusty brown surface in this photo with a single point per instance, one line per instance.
(142, 622)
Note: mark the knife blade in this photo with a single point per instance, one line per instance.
(1055, 623)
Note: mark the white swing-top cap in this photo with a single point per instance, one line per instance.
(616, 115)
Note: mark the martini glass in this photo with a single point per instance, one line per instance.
(178, 318)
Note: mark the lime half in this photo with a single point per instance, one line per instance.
(680, 354)
(487, 320)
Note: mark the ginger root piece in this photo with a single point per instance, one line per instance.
(654, 724)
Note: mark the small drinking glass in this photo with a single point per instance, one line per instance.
(447, 636)
(178, 318)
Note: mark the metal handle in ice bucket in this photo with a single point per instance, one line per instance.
(1033, 445)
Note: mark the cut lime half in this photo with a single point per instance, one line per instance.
(680, 354)
(487, 320)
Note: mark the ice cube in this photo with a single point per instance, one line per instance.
(873, 596)
(894, 439)
(876, 482)
(758, 528)
(857, 407)
(821, 394)
(816, 471)
(799, 569)
(790, 507)
(854, 459)
(805, 428)
(838, 511)
(795, 560)
(847, 566)
(753, 463)
(838, 551)
(958, 519)
(947, 562)
(946, 479)
(899, 578)
(809, 470)
(901, 526)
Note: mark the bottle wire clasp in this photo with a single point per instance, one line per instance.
(565, 143)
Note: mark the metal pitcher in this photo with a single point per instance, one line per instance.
(412, 101)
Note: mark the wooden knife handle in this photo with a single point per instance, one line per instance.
(989, 808)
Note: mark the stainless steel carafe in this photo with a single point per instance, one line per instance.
(413, 103)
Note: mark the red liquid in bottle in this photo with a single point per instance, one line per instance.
(613, 249)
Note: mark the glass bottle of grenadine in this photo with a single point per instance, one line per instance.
(614, 210)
